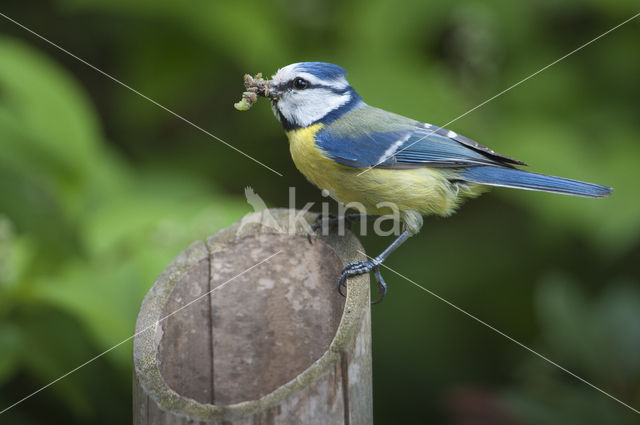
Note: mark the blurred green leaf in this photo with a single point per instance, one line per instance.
(598, 340)
(46, 123)
(11, 345)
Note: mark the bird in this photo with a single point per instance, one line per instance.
(360, 153)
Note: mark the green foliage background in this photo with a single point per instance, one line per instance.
(100, 189)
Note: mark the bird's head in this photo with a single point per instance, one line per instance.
(309, 92)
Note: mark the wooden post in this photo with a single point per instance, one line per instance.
(274, 344)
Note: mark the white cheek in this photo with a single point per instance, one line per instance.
(305, 107)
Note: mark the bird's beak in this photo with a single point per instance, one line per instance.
(273, 92)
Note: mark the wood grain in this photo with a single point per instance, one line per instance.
(273, 343)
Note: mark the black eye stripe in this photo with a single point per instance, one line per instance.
(310, 85)
(290, 85)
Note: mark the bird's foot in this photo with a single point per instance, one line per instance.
(361, 267)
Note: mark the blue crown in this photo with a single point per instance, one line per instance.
(323, 70)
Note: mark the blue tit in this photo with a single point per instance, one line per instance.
(359, 153)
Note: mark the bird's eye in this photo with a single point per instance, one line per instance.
(300, 83)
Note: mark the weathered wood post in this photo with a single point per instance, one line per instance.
(274, 343)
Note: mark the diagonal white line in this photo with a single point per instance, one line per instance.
(137, 333)
(510, 87)
(138, 93)
(498, 331)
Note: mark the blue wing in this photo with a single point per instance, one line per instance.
(423, 145)
(416, 145)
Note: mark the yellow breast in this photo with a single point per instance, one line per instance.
(426, 190)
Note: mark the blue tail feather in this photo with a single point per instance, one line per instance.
(519, 179)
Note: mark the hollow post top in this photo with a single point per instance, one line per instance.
(277, 239)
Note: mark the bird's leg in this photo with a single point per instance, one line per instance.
(332, 220)
(412, 223)
(365, 266)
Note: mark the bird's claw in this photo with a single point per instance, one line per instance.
(382, 285)
(361, 267)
